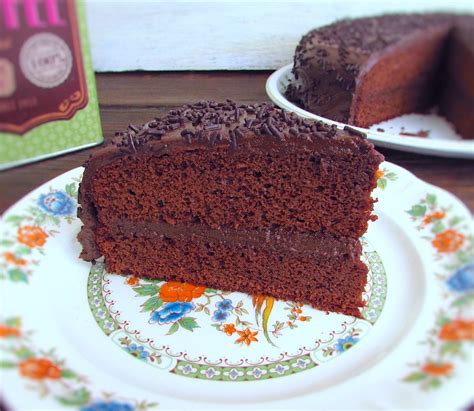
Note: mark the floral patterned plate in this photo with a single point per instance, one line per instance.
(73, 336)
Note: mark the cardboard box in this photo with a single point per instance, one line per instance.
(48, 99)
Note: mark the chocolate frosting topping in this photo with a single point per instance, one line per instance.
(209, 122)
(371, 34)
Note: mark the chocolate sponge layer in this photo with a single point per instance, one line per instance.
(325, 272)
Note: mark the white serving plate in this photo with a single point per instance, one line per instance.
(73, 336)
(442, 139)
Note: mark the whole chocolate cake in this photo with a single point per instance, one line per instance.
(235, 197)
(368, 70)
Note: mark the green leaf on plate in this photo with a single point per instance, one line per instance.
(431, 199)
(40, 219)
(438, 227)
(155, 358)
(13, 322)
(17, 275)
(269, 302)
(22, 250)
(15, 219)
(148, 281)
(24, 353)
(173, 329)
(434, 383)
(463, 257)
(68, 374)
(442, 320)
(152, 304)
(199, 308)
(391, 176)
(417, 210)
(464, 300)
(71, 189)
(382, 183)
(147, 290)
(188, 323)
(8, 364)
(145, 406)
(6, 243)
(415, 376)
(452, 347)
(77, 398)
(455, 221)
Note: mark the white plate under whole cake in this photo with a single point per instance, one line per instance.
(73, 336)
(417, 133)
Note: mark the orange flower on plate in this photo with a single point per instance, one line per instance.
(438, 370)
(296, 310)
(303, 318)
(31, 236)
(437, 215)
(448, 241)
(229, 329)
(174, 291)
(379, 174)
(246, 336)
(6, 331)
(457, 330)
(39, 369)
(133, 280)
(13, 259)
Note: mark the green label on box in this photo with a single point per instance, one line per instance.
(48, 100)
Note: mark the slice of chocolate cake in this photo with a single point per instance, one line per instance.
(368, 70)
(234, 197)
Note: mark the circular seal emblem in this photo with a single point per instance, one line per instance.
(45, 60)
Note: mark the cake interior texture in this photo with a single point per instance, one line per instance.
(273, 216)
(456, 98)
(368, 70)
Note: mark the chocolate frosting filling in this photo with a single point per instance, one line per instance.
(321, 244)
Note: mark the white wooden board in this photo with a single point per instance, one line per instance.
(220, 35)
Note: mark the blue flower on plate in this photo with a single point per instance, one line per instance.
(138, 351)
(224, 305)
(220, 316)
(57, 203)
(171, 312)
(343, 344)
(108, 406)
(462, 279)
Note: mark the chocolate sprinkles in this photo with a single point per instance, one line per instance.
(213, 123)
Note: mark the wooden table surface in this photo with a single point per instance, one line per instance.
(137, 97)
